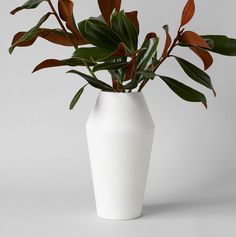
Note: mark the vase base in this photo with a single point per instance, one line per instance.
(120, 218)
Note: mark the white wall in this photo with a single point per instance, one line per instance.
(43, 144)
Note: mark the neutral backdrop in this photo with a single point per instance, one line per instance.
(45, 179)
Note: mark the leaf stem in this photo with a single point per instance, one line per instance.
(60, 23)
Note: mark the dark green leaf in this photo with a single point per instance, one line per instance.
(195, 73)
(99, 34)
(185, 92)
(93, 81)
(109, 66)
(92, 54)
(28, 36)
(222, 44)
(145, 58)
(126, 30)
(28, 5)
(77, 97)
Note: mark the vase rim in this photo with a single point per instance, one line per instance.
(121, 93)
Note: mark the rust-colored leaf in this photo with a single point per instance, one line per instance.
(58, 37)
(204, 55)
(48, 63)
(133, 16)
(18, 36)
(121, 51)
(192, 38)
(188, 12)
(54, 36)
(130, 70)
(150, 36)
(65, 8)
(107, 7)
(116, 85)
(167, 43)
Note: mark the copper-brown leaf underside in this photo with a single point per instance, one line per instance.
(188, 12)
(192, 38)
(50, 35)
(48, 63)
(121, 51)
(150, 36)
(18, 36)
(107, 7)
(133, 16)
(115, 85)
(167, 44)
(65, 8)
(204, 55)
(130, 70)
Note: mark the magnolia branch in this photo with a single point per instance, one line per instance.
(162, 59)
(60, 23)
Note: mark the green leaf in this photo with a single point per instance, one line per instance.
(109, 66)
(195, 73)
(28, 5)
(145, 58)
(222, 44)
(28, 36)
(185, 92)
(93, 54)
(77, 97)
(93, 81)
(125, 29)
(99, 34)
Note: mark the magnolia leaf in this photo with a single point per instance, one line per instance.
(30, 35)
(188, 12)
(185, 92)
(195, 73)
(167, 43)
(145, 57)
(65, 8)
(28, 5)
(222, 44)
(98, 34)
(193, 39)
(77, 97)
(204, 56)
(133, 17)
(130, 69)
(73, 62)
(125, 29)
(109, 66)
(93, 81)
(55, 36)
(93, 54)
(107, 7)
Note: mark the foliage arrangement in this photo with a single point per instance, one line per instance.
(114, 47)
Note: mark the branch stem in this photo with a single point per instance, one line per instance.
(60, 23)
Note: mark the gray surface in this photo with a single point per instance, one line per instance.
(45, 182)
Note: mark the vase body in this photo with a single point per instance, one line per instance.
(120, 134)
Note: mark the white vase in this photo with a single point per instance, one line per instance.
(120, 134)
